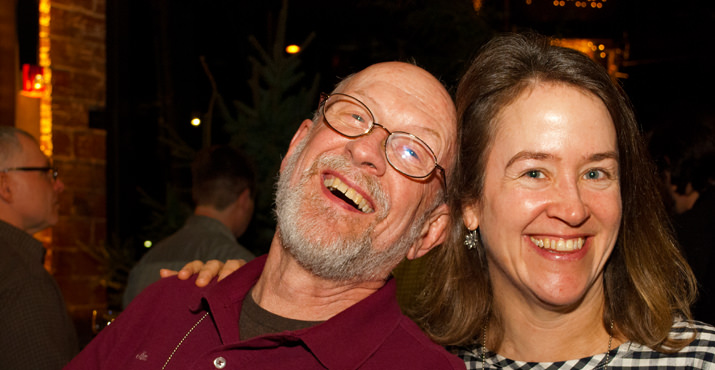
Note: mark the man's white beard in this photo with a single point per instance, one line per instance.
(306, 231)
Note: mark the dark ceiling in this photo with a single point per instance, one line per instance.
(154, 48)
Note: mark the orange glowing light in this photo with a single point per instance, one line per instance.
(292, 49)
(33, 81)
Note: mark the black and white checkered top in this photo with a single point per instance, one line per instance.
(699, 354)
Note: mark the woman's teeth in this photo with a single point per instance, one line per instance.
(559, 245)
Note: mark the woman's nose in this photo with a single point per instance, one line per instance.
(568, 204)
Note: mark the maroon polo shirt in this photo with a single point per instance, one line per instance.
(177, 324)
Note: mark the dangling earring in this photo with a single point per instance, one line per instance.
(471, 239)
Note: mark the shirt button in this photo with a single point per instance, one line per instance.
(220, 362)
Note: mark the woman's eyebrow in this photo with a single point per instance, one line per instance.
(542, 156)
(528, 155)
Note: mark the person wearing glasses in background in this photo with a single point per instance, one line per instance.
(37, 332)
(354, 198)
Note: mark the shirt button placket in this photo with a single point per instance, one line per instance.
(220, 362)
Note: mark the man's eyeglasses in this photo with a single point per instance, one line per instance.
(405, 152)
(51, 170)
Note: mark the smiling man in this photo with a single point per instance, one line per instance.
(37, 332)
(361, 187)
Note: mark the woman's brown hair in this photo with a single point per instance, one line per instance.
(647, 281)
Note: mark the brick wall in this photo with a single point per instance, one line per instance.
(8, 62)
(78, 59)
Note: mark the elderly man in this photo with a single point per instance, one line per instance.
(354, 198)
(37, 332)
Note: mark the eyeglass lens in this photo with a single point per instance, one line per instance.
(52, 171)
(406, 152)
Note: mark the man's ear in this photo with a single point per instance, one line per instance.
(245, 199)
(5, 188)
(299, 135)
(433, 233)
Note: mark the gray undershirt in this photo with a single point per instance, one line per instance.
(255, 321)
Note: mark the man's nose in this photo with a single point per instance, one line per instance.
(59, 186)
(368, 151)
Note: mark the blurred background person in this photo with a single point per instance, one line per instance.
(567, 260)
(224, 190)
(684, 151)
(37, 332)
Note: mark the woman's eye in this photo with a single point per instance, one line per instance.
(594, 174)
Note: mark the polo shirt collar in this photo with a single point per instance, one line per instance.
(361, 329)
(209, 224)
(225, 298)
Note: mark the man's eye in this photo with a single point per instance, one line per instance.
(409, 154)
(358, 117)
(534, 174)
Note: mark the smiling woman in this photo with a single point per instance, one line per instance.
(551, 181)
(569, 260)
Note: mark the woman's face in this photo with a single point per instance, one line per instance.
(551, 207)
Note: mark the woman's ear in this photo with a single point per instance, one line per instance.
(470, 216)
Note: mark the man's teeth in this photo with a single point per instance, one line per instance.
(559, 245)
(334, 183)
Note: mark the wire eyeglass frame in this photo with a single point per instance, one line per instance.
(391, 135)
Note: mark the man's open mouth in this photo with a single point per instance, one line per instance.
(347, 194)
